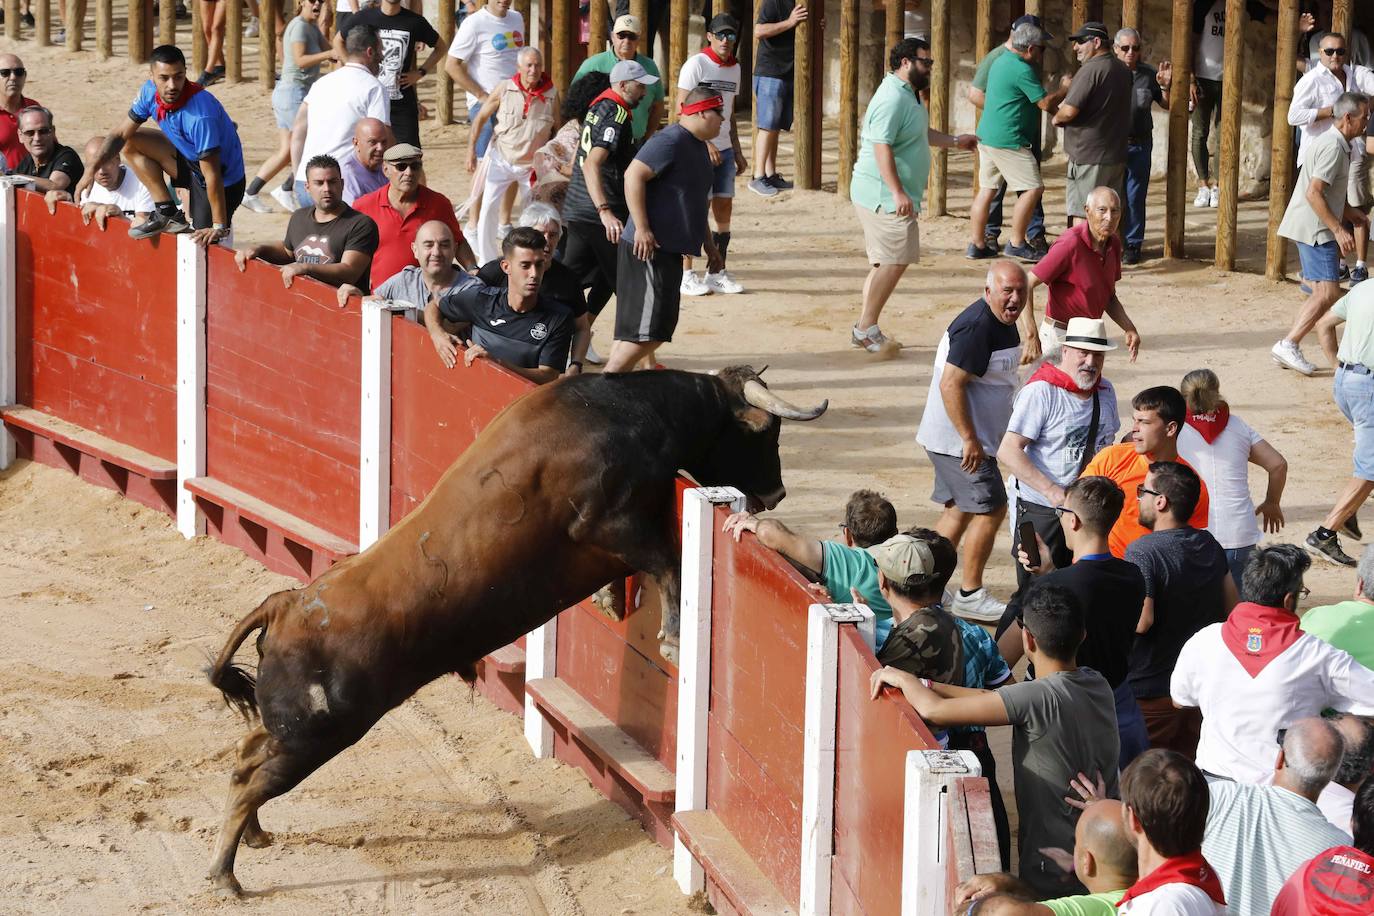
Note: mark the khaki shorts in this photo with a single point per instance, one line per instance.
(889, 238)
(1357, 192)
(1082, 178)
(1018, 168)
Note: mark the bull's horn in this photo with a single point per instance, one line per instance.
(759, 396)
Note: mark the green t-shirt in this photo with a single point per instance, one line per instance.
(603, 62)
(980, 75)
(1348, 626)
(897, 118)
(1356, 308)
(854, 567)
(1010, 114)
(1103, 904)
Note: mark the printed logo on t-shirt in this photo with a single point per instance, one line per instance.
(501, 41)
(395, 46)
(314, 249)
(539, 332)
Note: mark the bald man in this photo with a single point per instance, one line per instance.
(13, 75)
(362, 164)
(1104, 859)
(116, 191)
(434, 250)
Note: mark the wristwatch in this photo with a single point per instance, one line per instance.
(575, 362)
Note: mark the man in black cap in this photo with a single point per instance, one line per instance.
(1095, 116)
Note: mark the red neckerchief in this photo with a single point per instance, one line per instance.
(1210, 425)
(1188, 869)
(538, 92)
(710, 52)
(1059, 378)
(614, 97)
(1256, 634)
(163, 109)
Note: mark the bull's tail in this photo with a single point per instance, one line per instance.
(238, 686)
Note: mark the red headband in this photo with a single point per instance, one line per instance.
(714, 101)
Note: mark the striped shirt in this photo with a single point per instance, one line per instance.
(1257, 836)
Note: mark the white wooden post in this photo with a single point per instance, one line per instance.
(541, 660)
(374, 439)
(9, 294)
(191, 284)
(930, 775)
(694, 663)
(818, 749)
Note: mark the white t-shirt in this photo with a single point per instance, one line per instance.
(130, 197)
(1057, 424)
(1337, 804)
(1211, 44)
(335, 105)
(1224, 468)
(488, 46)
(1173, 900)
(1241, 715)
(700, 70)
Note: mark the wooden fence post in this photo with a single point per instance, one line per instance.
(167, 24)
(804, 108)
(849, 93)
(137, 26)
(233, 42)
(598, 26)
(1181, 55)
(679, 15)
(104, 29)
(12, 21)
(42, 22)
(445, 90)
(198, 49)
(1081, 14)
(893, 26)
(938, 196)
(1281, 164)
(558, 59)
(1130, 14)
(1340, 17)
(267, 42)
(76, 26)
(1229, 167)
(640, 10)
(982, 45)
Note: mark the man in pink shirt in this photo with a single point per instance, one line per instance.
(1081, 271)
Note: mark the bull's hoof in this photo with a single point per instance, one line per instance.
(258, 839)
(610, 600)
(669, 648)
(226, 885)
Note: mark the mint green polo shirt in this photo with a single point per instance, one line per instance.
(980, 75)
(1103, 904)
(1356, 309)
(1010, 113)
(1348, 626)
(639, 116)
(897, 118)
(854, 567)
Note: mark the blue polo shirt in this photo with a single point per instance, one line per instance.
(197, 129)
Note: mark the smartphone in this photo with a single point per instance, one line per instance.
(1029, 544)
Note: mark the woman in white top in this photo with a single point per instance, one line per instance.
(1220, 446)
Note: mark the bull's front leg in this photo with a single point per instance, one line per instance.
(670, 591)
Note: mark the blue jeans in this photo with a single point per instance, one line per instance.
(1036, 229)
(1354, 393)
(485, 136)
(302, 195)
(1137, 187)
(1236, 558)
(1130, 724)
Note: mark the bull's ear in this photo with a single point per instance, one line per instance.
(754, 419)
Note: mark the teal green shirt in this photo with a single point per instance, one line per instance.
(895, 117)
(603, 62)
(980, 75)
(1348, 626)
(1103, 904)
(854, 567)
(1010, 114)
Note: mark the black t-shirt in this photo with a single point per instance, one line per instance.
(1145, 91)
(312, 242)
(64, 159)
(975, 335)
(1185, 570)
(775, 55)
(527, 340)
(1112, 592)
(610, 126)
(400, 34)
(559, 285)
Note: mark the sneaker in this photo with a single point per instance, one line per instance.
(1023, 252)
(723, 283)
(1131, 256)
(1288, 355)
(182, 11)
(1204, 198)
(252, 30)
(1359, 275)
(256, 204)
(980, 607)
(763, 187)
(207, 78)
(29, 20)
(979, 253)
(692, 285)
(286, 199)
(1304, 289)
(1214, 198)
(59, 37)
(171, 223)
(1352, 528)
(502, 231)
(873, 340)
(1040, 244)
(593, 357)
(1328, 549)
(1344, 273)
(782, 184)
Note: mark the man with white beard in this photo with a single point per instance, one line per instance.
(1060, 419)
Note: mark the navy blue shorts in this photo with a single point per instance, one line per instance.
(773, 103)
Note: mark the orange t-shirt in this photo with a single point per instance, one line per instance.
(1122, 464)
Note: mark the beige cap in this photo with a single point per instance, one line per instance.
(401, 152)
(627, 24)
(902, 557)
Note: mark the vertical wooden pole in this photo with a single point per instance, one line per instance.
(1181, 55)
(640, 10)
(982, 44)
(849, 92)
(76, 29)
(233, 42)
(167, 24)
(677, 52)
(1130, 14)
(804, 109)
(1340, 17)
(1228, 177)
(267, 40)
(42, 22)
(598, 26)
(744, 51)
(938, 194)
(1281, 164)
(198, 48)
(1080, 14)
(559, 63)
(1032, 7)
(893, 26)
(149, 30)
(446, 30)
(546, 15)
(137, 14)
(523, 8)
(104, 29)
(12, 22)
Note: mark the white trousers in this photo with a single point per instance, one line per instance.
(500, 176)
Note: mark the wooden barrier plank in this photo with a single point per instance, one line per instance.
(731, 869)
(269, 516)
(90, 443)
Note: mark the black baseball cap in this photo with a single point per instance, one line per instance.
(1035, 21)
(723, 22)
(1091, 30)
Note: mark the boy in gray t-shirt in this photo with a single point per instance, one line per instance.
(1064, 723)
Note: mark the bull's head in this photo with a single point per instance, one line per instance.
(745, 456)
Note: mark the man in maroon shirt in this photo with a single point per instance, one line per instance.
(1081, 271)
(401, 208)
(12, 101)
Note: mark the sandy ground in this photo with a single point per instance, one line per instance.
(114, 744)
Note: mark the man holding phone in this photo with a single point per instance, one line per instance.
(967, 410)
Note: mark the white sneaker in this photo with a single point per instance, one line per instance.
(252, 30)
(1203, 199)
(980, 607)
(873, 340)
(1288, 355)
(1214, 198)
(593, 357)
(502, 231)
(256, 204)
(723, 283)
(286, 198)
(692, 285)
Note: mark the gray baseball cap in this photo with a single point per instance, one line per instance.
(627, 70)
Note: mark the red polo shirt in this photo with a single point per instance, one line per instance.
(10, 147)
(1081, 281)
(396, 233)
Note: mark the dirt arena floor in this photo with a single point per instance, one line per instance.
(114, 747)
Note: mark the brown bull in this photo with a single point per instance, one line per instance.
(576, 478)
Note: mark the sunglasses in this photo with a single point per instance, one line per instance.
(1329, 52)
(40, 132)
(726, 36)
(406, 165)
(1128, 49)
(928, 61)
(1142, 490)
(5, 72)
(626, 35)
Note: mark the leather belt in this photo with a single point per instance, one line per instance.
(1357, 368)
(1055, 323)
